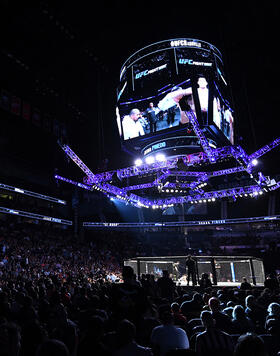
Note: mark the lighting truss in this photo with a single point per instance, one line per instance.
(191, 191)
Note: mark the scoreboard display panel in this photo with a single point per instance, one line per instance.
(154, 80)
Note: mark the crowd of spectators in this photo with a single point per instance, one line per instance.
(60, 296)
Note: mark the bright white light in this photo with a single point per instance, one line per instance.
(138, 162)
(150, 159)
(255, 162)
(213, 199)
(160, 157)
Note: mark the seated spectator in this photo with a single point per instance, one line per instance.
(272, 323)
(245, 285)
(222, 320)
(52, 347)
(205, 282)
(92, 338)
(241, 323)
(126, 333)
(228, 311)
(167, 336)
(179, 318)
(10, 336)
(192, 306)
(212, 341)
(249, 345)
(254, 312)
(64, 329)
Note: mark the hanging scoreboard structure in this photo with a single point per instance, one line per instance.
(162, 86)
(174, 114)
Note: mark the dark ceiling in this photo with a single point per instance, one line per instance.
(66, 56)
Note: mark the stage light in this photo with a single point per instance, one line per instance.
(213, 199)
(254, 162)
(138, 162)
(160, 157)
(150, 159)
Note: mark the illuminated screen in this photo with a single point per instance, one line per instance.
(223, 115)
(153, 83)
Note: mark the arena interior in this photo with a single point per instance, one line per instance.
(139, 176)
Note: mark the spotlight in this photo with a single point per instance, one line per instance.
(160, 157)
(150, 159)
(138, 162)
(254, 162)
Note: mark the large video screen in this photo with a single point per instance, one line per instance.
(156, 112)
(152, 86)
(223, 114)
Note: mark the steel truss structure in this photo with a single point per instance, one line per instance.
(175, 180)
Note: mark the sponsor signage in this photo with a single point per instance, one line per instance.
(194, 63)
(149, 71)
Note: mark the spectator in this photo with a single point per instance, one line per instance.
(127, 345)
(128, 298)
(205, 282)
(272, 323)
(167, 336)
(52, 347)
(166, 286)
(179, 318)
(241, 323)
(192, 306)
(92, 338)
(222, 321)
(245, 285)
(271, 282)
(249, 345)
(254, 312)
(10, 339)
(212, 341)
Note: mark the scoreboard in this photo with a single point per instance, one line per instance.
(154, 79)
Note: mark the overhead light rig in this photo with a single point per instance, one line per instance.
(193, 189)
